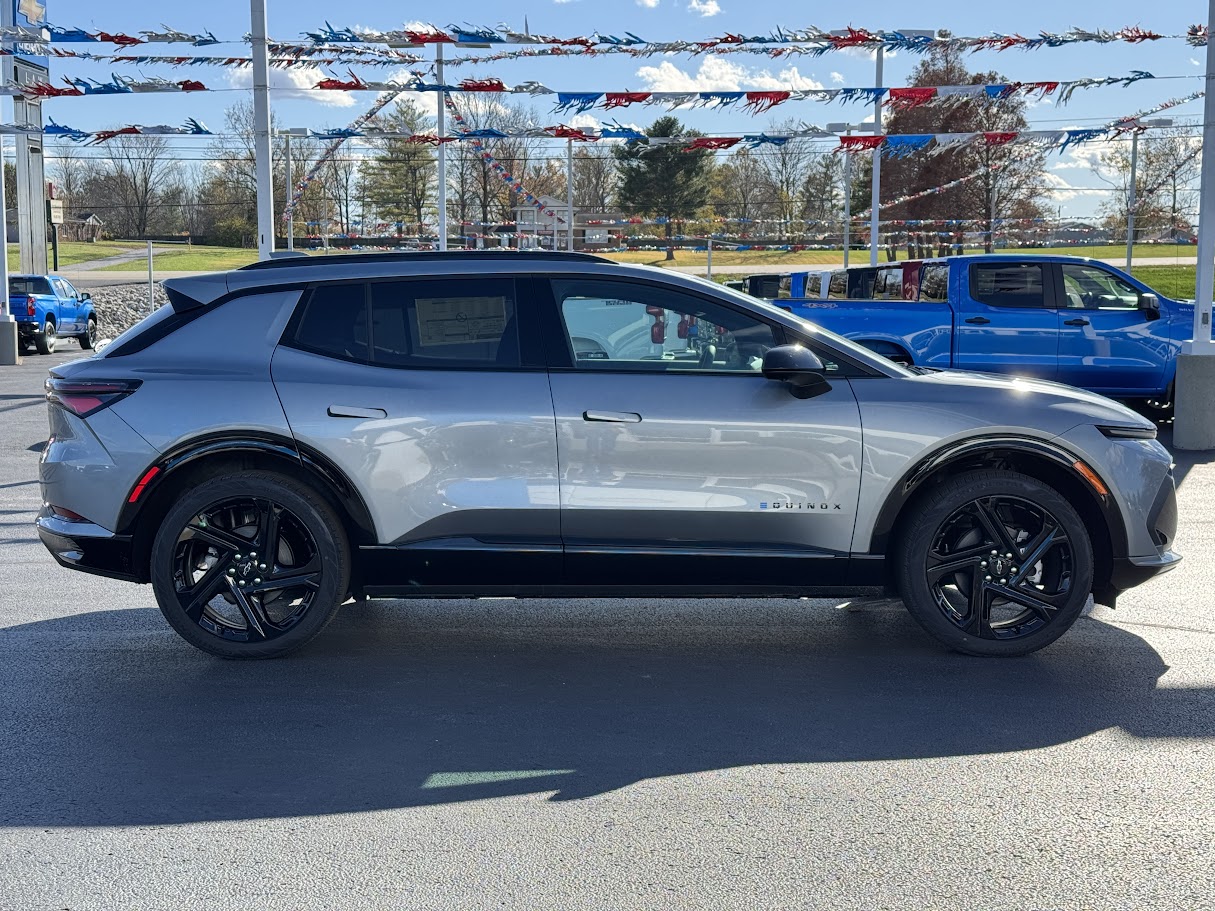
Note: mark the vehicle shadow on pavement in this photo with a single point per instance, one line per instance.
(110, 720)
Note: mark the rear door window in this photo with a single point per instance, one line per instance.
(445, 323)
(1008, 284)
(425, 323)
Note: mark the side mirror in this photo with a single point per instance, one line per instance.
(797, 366)
(85, 296)
(1149, 306)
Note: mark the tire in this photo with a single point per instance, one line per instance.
(208, 576)
(954, 552)
(48, 339)
(89, 339)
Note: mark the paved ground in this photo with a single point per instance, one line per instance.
(563, 755)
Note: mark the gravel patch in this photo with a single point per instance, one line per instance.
(119, 307)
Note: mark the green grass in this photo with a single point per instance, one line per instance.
(72, 253)
(1177, 282)
(192, 259)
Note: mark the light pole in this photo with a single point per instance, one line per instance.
(846, 129)
(876, 183)
(261, 129)
(1131, 201)
(287, 134)
(1194, 406)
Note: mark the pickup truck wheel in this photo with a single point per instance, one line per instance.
(250, 565)
(995, 563)
(47, 340)
(89, 339)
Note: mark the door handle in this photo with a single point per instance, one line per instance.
(612, 417)
(353, 411)
(1075, 322)
(978, 320)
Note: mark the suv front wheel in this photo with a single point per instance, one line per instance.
(995, 563)
(250, 565)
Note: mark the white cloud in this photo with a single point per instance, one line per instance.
(293, 83)
(717, 74)
(1060, 190)
(648, 4)
(706, 8)
(583, 122)
(837, 78)
(1195, 62)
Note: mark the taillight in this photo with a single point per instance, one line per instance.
(85, 397)
(31, 306)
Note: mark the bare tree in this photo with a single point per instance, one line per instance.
(785, 168)
(594, 177)
(740, 188)
(1165, 198)
(140, 169)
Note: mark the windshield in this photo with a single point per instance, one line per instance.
(846, 346)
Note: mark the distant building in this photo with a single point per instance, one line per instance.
(85, 228)
(537, 229)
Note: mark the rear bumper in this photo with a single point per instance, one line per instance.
(88, 547)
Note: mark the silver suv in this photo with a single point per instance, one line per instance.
(302, 431)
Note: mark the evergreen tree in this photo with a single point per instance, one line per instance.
(663, 181)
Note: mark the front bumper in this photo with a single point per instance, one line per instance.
(88, 547)
(1131, 571)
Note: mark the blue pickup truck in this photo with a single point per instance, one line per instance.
(1076, 321)
(47, 308)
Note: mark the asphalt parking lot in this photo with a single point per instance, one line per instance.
(585, 755)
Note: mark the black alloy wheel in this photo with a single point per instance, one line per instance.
(1000, 568)
(249, 566)
(996, 564)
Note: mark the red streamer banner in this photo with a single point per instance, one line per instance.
(759, 102)
(624, 99)
(910, 97)
(859, 143)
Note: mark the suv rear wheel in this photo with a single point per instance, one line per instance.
(995, 563)
(251, 565)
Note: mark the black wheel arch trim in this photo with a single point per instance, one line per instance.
(319, 467)
(991, 447)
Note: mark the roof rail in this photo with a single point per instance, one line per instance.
(294, 262)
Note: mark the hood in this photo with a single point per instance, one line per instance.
(1017, 394)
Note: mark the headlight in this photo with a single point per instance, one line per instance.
(1127, 433)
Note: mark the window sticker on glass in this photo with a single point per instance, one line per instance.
(458, 320)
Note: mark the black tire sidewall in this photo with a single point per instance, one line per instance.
(90, 330)
(310, 508)
(934, 508)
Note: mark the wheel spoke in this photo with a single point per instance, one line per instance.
(226, 541)
(994, 526)
(1036, 549)
(978, 617)
(255, 615)
(288, 580)
(943, 564)
(1044, 609)
(195, 598)
(267, 529)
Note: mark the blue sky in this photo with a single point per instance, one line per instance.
(660, 20)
